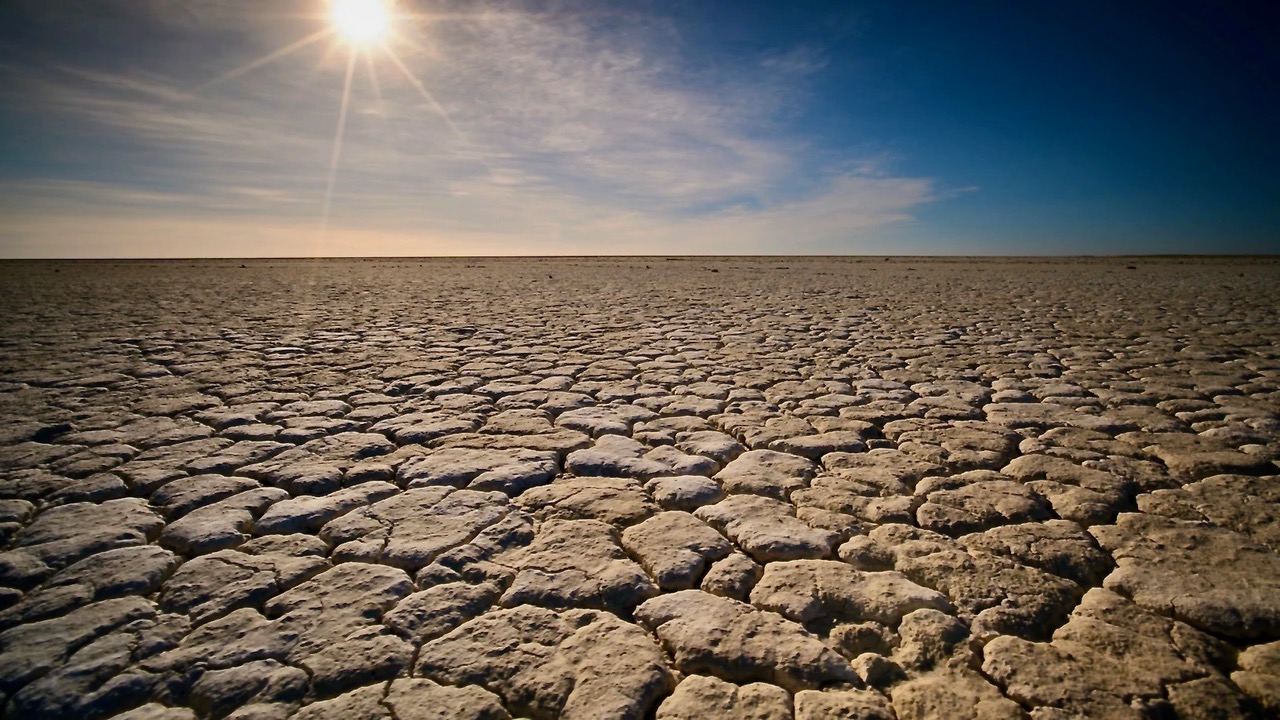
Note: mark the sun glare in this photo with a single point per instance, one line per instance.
(361, 22)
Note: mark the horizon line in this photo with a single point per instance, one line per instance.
(658, 256)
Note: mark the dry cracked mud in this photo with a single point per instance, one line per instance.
(664, 488)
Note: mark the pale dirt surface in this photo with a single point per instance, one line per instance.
(640, 488)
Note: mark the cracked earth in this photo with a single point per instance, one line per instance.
(640, 488)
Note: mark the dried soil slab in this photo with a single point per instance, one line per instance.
(261, 682)
(335, 617)
(213, 585)
(618, 456)
(684, 492)
(156, 430)
(675, 548)
(766, 472)
(832, 704)
(508, 471)
(67, 533)
(224, 524)
(1195, 457)
(174, 455)
(1215, 579)
(124, 571)
(97, 487)
(881, 468)
(1147, 475)
(1247, 505)
(559, 441)
(31, 486)
(545, 664)
(324, 408)
(295, 545)
(156, 711)
(95, 678)
(773, 430)
(807, 590)
(437, 610)
(698, 697)
(238, 455)
(711, 635)
(975, 501)
(36, 648)
(969, 392)
(240, 414)
(1060, 547)
(859, 498)
(767, 529)
(1259, 675)
(411, 529)
(552, 401)
(668, 430)
(237, 638)
(816, 446)
(31, 455)
(615, 501)
(600, 420)
(953, 692)
(316, 467)
(527, 421)
(709, 443)
(425, 427)
(408, 699)
(309, 513)
(16, 511)
(1112, 659)
(690, 406)
(960, 446)
(182, 496)
(1001, 596)
(733, 577)
(1078, 444)
(576, 563)
(1086, 495)
(751, 416)
(1045, 415)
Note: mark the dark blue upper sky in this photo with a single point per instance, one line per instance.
(1082, 123)
(655, 126)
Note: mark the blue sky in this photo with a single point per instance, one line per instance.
(132, 128)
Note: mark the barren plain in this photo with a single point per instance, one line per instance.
(668, 488)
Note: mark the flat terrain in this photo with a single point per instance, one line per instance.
(640, 488)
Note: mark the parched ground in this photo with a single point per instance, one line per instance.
(640, 488)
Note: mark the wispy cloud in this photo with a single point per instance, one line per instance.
(554, 132)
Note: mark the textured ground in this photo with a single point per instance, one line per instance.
(766, 488)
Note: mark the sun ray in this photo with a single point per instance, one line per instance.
(373, 75)
(265, 59)
(364, 27)
(422, 90)
(337, 145)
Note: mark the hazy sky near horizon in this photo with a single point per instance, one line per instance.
(145, 128)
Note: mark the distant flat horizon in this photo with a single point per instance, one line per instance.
(662, 257)
(390, 128)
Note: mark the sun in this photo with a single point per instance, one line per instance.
(361, 22)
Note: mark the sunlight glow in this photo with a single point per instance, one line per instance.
(361, 22)
(365, 28)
